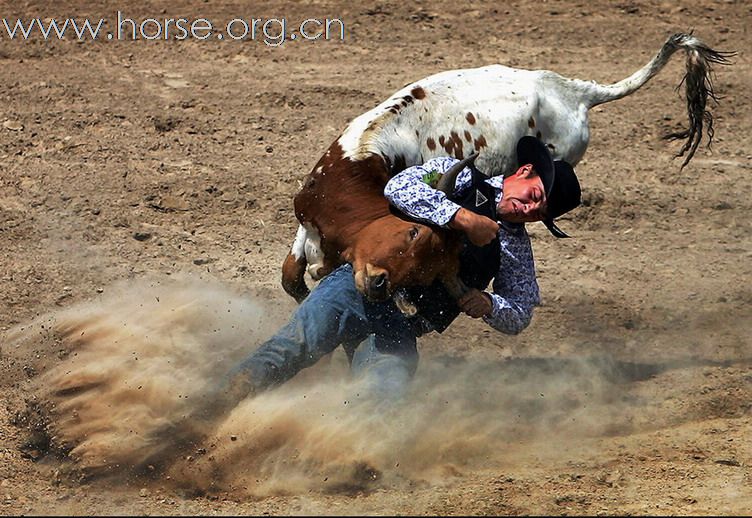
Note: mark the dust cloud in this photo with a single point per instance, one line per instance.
(140, 359)
(134, 361)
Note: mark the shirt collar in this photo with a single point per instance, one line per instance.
(497, 182)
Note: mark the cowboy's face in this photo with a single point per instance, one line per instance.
(523, 198)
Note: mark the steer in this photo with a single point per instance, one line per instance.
(343, 202)
(342, 213)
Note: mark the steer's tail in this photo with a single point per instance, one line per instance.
(698, 82)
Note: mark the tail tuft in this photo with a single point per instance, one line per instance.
(698, 82)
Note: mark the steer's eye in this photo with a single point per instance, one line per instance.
(414, 233)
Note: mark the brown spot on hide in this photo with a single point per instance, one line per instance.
(468, 137)
(480, 142)
(431, 143)
(441, 140)
(470, 118)
(531, 122)
(457, 143)
(418, 93)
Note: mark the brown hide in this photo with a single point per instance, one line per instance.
(342, 198)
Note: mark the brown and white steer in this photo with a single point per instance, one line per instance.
(342, 213)
(343, 205)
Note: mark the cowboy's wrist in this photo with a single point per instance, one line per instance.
(460, 220)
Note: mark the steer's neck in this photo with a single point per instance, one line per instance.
(361, 207)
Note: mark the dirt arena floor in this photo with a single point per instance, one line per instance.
(146, 208)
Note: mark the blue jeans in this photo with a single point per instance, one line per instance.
(379, 339)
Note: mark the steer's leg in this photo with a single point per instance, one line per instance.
(293, 270)
(294, 267)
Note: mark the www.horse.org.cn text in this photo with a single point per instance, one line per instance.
(270, 31)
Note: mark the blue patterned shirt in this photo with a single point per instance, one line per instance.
(515, 288)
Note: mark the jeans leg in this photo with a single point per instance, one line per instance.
(388, 358)
(333, 313)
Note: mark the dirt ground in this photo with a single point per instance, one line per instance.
(134, 169)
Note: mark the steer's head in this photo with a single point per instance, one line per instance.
(392, 252)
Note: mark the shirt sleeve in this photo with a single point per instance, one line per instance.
(515, 288)
(409, 191)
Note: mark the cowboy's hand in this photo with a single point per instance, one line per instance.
(476, 303)
(479, 229)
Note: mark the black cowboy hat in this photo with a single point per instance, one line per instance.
(559, 180)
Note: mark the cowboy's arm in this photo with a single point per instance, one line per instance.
(411, 192)
(515, 288)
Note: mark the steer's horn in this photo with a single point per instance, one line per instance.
(447, 180)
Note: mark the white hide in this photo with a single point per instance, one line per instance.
(308, 243)
(502, 101)
(506, 103)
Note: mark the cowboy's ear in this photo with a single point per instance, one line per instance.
(523, 171)
(347, 255)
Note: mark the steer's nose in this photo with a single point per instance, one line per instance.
(377, 287)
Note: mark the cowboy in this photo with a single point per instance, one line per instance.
(380, 339)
